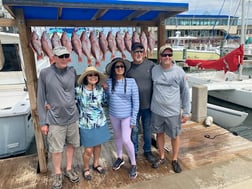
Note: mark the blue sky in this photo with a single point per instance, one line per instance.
(216, 7)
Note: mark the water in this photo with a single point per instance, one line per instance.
(243, 130)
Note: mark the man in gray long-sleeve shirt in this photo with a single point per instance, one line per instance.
(170, 94)
(58, 113)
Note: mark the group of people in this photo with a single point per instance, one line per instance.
(137, 93)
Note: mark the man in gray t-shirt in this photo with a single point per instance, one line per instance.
(58, 113)
(141, 71)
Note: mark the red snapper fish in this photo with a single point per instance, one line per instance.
(111, 44)
(151, 42)
(120, 44)
(103, 43)
(86, 46)
(143, 40)
(47, 46)
(135, 37)
(66, 42)
(95, 49)
(36, 46)
(127, 41)
(55, 40)
(76, 43)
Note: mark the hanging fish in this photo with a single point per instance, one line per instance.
(127, 41)
(95, 49)
(55, 40)
(76, 43)
(111, 44)
(135, 37)
(103, 43)
(66, 42)
(120, 44)
(86, 46)
(2, 59)
(151, 42)
(143, 40)
(47, 46)
(35, 45)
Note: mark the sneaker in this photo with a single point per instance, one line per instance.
(72, 176)
(57, 181)
(133, 172)
(159, 162)
(118, 163)
(176, 167)
(149, 156)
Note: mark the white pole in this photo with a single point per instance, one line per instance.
(242, 35)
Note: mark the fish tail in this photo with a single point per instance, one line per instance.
(97, 64)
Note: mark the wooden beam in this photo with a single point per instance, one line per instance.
(99, 14)
(31, 79)
(88, 23)
(135, 15)
(6, 22)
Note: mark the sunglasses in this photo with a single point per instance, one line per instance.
(139, 51)
(165, 55)
(64, 56)
(119, 66)
(91, 75)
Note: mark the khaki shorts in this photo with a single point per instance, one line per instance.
(169, 125)
(58, 136)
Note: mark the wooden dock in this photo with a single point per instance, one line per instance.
(196, 151)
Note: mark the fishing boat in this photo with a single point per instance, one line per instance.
(182, 50)
(16, 127)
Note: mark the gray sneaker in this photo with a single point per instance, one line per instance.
(133, 171)
(57, 181)
(72, 176)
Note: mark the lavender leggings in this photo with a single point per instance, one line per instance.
(122, 133)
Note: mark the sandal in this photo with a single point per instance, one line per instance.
(99, 169)
(87, 176)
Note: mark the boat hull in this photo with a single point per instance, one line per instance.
(16, 125)
(226, 117)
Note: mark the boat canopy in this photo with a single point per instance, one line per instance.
(96, 12)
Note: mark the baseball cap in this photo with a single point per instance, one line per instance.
(60, 50)
(136, 45)
(165, 47)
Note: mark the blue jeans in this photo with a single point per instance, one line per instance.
(144, 117)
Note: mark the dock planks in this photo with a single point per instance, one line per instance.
(196, 151)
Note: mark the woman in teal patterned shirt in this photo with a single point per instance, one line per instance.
(92, 122)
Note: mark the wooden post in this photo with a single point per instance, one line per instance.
(160, 35)
(31, 79)
(199, 103)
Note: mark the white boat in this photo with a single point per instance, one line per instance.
(225, 86)
(226, 117)
(182, 50)
(16, 127)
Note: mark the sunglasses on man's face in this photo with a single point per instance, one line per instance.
(165, 55)
(138, 51)
(64, 56)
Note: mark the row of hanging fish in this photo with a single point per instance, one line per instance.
(92, 46)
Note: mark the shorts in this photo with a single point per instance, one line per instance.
(58, 136)
(169, 125)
